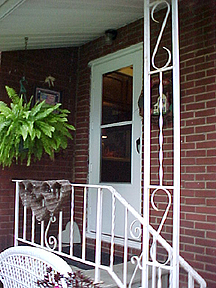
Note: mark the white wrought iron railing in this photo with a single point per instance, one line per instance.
(43, 208)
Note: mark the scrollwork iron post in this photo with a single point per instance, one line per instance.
(149, 257)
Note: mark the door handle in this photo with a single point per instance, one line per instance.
(138, 145)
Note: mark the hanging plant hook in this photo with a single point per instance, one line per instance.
(23, 79)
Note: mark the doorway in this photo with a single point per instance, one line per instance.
(115, 132)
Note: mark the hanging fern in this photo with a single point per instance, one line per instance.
(27, 133)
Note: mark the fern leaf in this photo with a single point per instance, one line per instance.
(4, 109)
(45, 128)
(12, 95)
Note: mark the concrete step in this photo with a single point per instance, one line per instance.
(108, 282)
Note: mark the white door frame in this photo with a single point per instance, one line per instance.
(133, 56)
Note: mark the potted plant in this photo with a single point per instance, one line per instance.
(27, 131)
(76, 279)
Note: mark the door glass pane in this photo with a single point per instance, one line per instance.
(116, 154)
(117, 95)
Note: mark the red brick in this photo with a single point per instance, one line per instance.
(195, 106)
(205, 161)
(204, 177)
(187, 224)
(195, 122)
(195, 233)
(211, 202)
(210, 268)
(194, 185)
(185, 146)
(195, 201)
(211, 251)
(205, 97)
(205, 242)
(203, 66)
(205, 258)
(204, 193)
(187, 131)
(211, 234)
(212, 136)
(205, 129)
(195, 169)
(211, 103)
(195, 217)
(211, 87)
(186, 115)
(211, 153)
(196, 153)
(187, 240)
(195, 138)
(195, 90)
(194, 249)
(211, 169)
(194, 61)
(197, 265)
(206, 210)
(188, 177)
(205, 226)
(211, 185)
(208, 144)
(205, 81)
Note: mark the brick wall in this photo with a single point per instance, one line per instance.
(198, 136)
(38, 64)
(198, 118)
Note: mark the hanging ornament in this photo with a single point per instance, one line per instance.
(49, 80)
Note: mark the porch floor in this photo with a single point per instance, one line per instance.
(106, 279)
(90, 256)
(108, 282)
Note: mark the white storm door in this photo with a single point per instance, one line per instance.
(115, 133)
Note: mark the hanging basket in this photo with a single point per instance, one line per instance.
(27, 133)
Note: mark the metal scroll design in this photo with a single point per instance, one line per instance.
(138, 261)
(160, 70)
(160, 35)
(135, 229)
(153, 252)
(51, 242)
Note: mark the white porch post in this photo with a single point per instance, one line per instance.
(147, 138)
(172, 64)
(176, 137)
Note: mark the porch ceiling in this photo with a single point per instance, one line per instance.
(61, 23)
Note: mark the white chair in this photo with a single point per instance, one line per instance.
(22, 266)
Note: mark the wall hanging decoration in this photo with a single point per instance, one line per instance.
(49, 80)
(50, 97)
(166, 101)
(45, 198)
